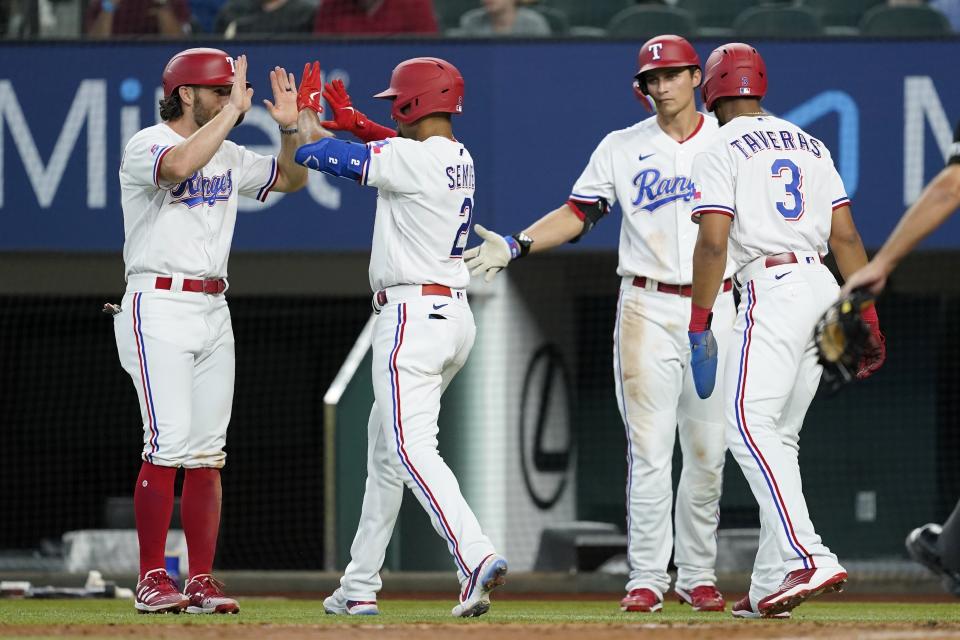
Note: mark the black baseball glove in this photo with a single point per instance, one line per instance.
(849, 341)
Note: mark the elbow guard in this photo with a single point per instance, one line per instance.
(589, 212)
(954, 155)
(336, 157)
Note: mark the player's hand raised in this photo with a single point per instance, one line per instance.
(488, 258)
(346, 118)
(283, 109)
(344, 115)
(241, 96)
(310, 88)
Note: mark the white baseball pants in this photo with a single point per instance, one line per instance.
(419, 345)
(770, 379)
(178, 348)
(655, 393)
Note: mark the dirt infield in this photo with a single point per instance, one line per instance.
(747, 630)
(509, 619)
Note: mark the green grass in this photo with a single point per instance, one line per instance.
(310, 612)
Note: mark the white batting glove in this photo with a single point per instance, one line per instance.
(488, 258)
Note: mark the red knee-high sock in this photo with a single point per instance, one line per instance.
(200, 512)
(153, 507)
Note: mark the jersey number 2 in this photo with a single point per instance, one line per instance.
(460, 241)
(793, 188)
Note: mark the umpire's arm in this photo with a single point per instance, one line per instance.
(937, 202)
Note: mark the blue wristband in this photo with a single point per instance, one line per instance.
(514, 247)
(335, 157)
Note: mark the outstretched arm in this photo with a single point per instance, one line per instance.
(336, 157)
(937, 203)
(558, 227)
(564, 224)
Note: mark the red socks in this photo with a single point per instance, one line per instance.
(153, 507)
(200, 513)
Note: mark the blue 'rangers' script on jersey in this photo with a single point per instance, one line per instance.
(185, 228)
(648, 173)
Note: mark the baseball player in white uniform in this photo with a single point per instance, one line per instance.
(770, 189)
(180, 181)
(424, 331)
(646, 168)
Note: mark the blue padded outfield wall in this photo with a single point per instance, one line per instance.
(533, 114)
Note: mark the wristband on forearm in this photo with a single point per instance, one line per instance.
(700, 318)
(519, 244)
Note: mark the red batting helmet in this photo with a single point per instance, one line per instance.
(734, 70)
(421, 86)
(662, 52)
(201, 66)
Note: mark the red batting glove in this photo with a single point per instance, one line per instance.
(876, 350)
(346, 118)
(309, 95)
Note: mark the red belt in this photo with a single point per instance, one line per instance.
(196, 286)
(685, 290)
(784, 258)
(425, 290)
(436, 290)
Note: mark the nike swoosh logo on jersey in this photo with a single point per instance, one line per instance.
(440, 306)
(644, 157)
(782, 275)
(314, 94)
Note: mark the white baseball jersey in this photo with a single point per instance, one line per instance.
(186, 227)
(648, 173)
(420, 342)
(777, 182)
(779, 186)
(424, 208)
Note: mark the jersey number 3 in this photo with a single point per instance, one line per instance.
(791, 208)
(463, 232)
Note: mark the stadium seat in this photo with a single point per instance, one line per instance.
(777, 22)
(559, 23)
(588, 13)
(904, 21)
(713, 14)
(449, 11)
(645, 21)
(847, 13)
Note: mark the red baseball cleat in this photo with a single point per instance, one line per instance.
(706, 597)
(206, 596)
(800, 585)
(742, 609)
(641, 600)
(158, 593)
